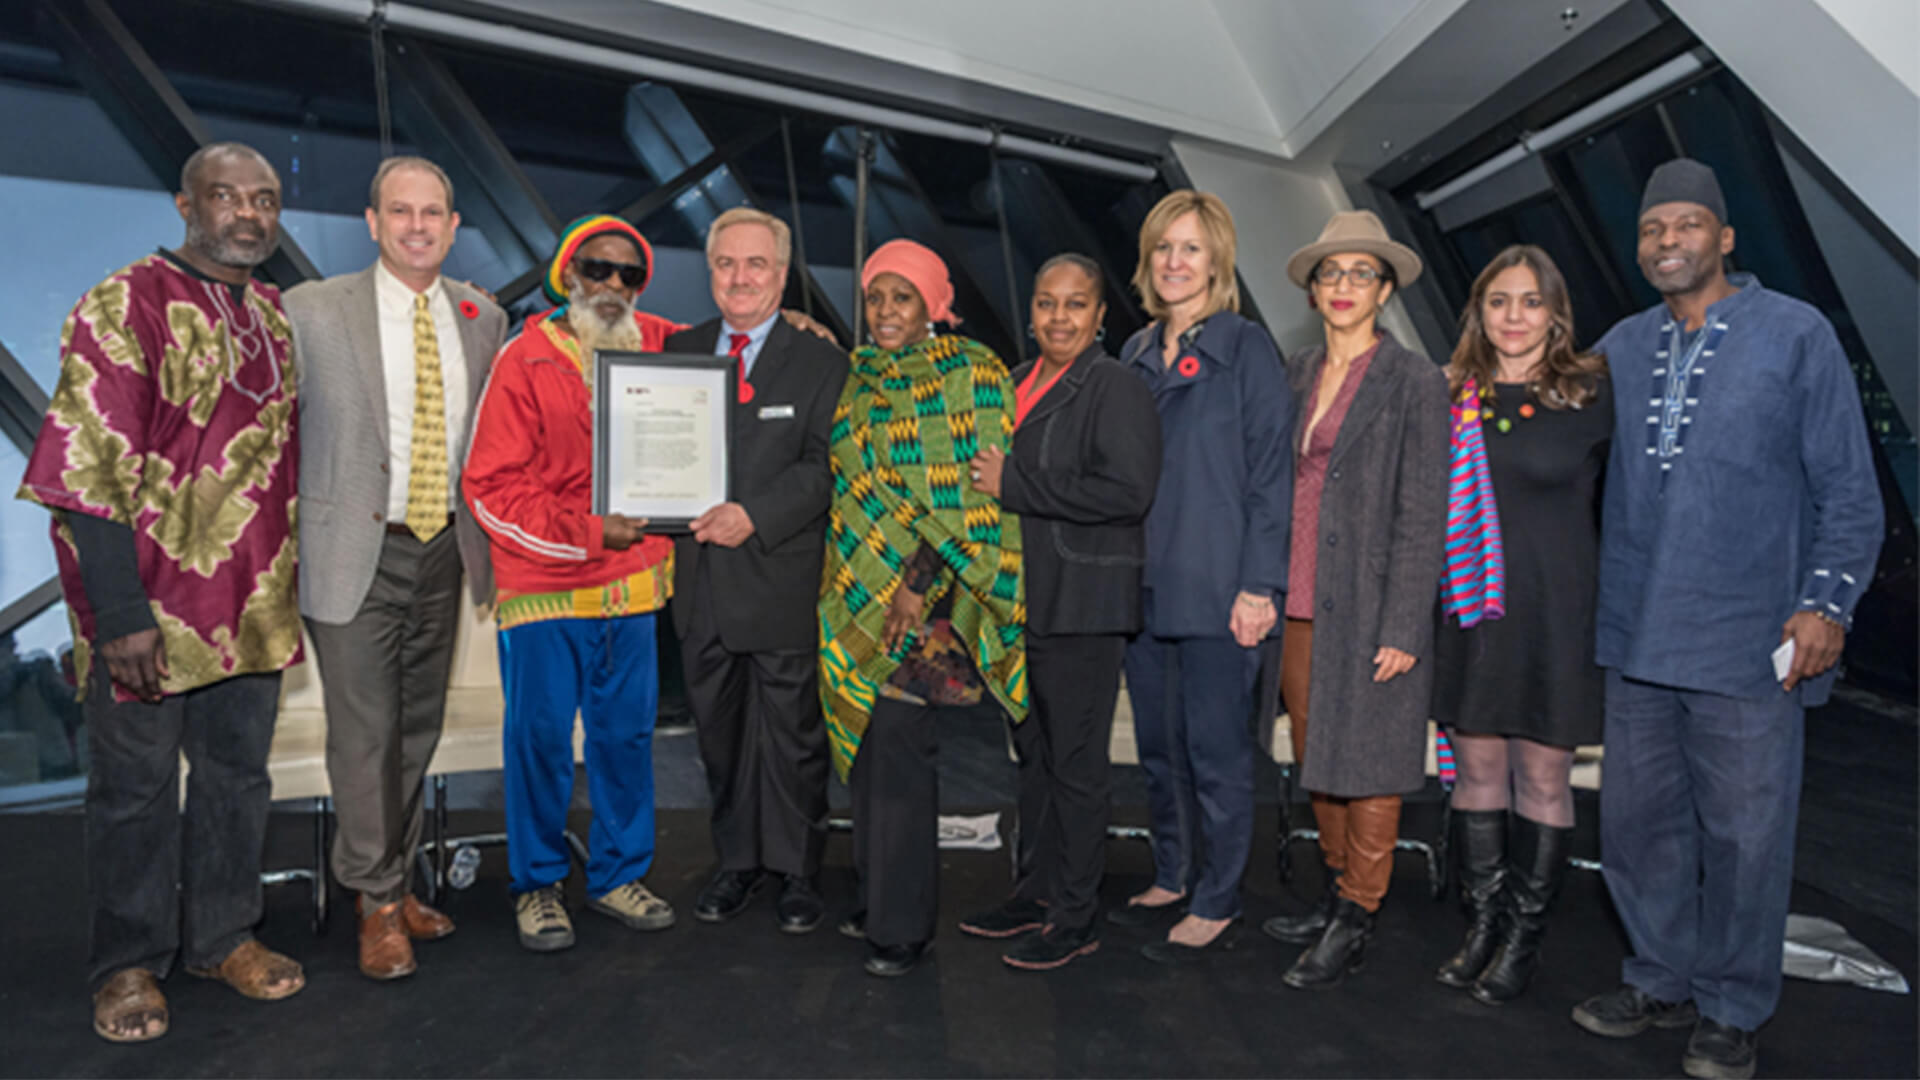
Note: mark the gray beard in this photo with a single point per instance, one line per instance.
(622, 334)
(228, 254)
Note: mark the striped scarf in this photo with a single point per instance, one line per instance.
(1474, 586)
(907, 424)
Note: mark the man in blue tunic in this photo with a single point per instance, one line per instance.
(1741, 515)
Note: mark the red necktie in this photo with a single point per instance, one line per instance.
(737, 348)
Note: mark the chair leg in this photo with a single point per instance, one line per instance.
(322, 817)
(437, 880)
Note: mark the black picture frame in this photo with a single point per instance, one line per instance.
(618, 373)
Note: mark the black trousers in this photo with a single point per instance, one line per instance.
(1065, 777)
(385, 674)
(896, 821)
(764, 744)
(161, 882)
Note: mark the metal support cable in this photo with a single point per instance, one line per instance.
(377, 26)
(793, 203)
(862, 165)
(999, 193)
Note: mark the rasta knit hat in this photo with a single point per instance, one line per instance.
(578, 233)
(1684, 180)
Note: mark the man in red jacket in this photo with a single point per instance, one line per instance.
(577, 591)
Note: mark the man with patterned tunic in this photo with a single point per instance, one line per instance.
(168, 458)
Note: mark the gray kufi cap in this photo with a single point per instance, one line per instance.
(1684, 180)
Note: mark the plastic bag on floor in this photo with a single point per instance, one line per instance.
(980, 833)
(1822, 950)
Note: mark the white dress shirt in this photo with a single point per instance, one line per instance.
(396, 360)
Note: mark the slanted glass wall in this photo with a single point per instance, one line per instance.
(530, 143)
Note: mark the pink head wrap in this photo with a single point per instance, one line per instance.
(920, 266)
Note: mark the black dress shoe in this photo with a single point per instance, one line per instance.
(727, 895)
(1169, 952)
(799, 909)
(854, 926)
(888, 961)
(1052, 947)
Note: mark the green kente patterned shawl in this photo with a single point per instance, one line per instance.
(906, 426)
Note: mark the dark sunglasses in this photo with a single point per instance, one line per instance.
(632, 275)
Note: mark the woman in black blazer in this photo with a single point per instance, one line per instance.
(1086, 459)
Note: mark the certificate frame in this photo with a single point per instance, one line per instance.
(700, 389)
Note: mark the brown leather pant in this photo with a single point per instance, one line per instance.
(1356, 835)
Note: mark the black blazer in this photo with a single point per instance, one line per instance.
(764, 593)
(1082, 476)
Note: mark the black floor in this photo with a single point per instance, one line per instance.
(744, 1000)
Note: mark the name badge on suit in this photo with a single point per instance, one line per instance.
(776, 412)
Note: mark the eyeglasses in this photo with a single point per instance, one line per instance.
(632, 275)
(1361, 276)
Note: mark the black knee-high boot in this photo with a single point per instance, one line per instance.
(1536, 868)
(1480, 844)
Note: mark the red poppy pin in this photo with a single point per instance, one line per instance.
(470, 309)
(1189, 366)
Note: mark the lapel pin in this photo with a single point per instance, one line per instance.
(470, 309)
(1189, 366)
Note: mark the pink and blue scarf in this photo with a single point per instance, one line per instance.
(1474, 586)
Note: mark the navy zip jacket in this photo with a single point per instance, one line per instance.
(1219, 521)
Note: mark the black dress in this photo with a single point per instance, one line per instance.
(1531, 673)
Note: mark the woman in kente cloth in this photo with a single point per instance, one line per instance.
(921, 605)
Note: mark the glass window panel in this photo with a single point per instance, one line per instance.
(41, 738)
(26, 551)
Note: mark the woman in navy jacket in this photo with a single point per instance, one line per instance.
(1081, 475)
(1216, 564)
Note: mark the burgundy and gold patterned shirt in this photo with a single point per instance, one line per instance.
(175, 416)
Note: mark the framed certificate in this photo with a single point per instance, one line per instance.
(661, 423)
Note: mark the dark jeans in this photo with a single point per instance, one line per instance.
(161, 881)
(1697, 815)
(1193, 722)
(1065, 776)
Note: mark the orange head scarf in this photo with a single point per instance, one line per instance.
(920, 266)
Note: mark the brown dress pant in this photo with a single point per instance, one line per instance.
(1356, 835)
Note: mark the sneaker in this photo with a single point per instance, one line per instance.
(1052, 947)
(541, 916)
(1719, 1052)
(635, 906)
(1628, 1010)
(1016, 916)
(854, 926)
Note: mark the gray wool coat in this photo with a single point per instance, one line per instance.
(1380, 550)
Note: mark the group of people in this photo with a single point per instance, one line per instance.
(915, 529)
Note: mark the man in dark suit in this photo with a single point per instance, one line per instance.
(748, 579)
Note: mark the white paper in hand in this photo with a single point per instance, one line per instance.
(1783, 660)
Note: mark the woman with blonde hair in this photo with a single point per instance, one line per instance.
(1515, 681)
(1216, 566)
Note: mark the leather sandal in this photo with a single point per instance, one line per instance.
(257, 972)
(131, 996)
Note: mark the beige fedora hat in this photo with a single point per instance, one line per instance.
(1355, 230)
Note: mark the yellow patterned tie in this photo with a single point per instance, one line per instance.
(427, 467)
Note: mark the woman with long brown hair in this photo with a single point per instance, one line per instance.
(1518, 691)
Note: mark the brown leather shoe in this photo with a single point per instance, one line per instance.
(385, 951)
(422, 922)
(257, 972)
